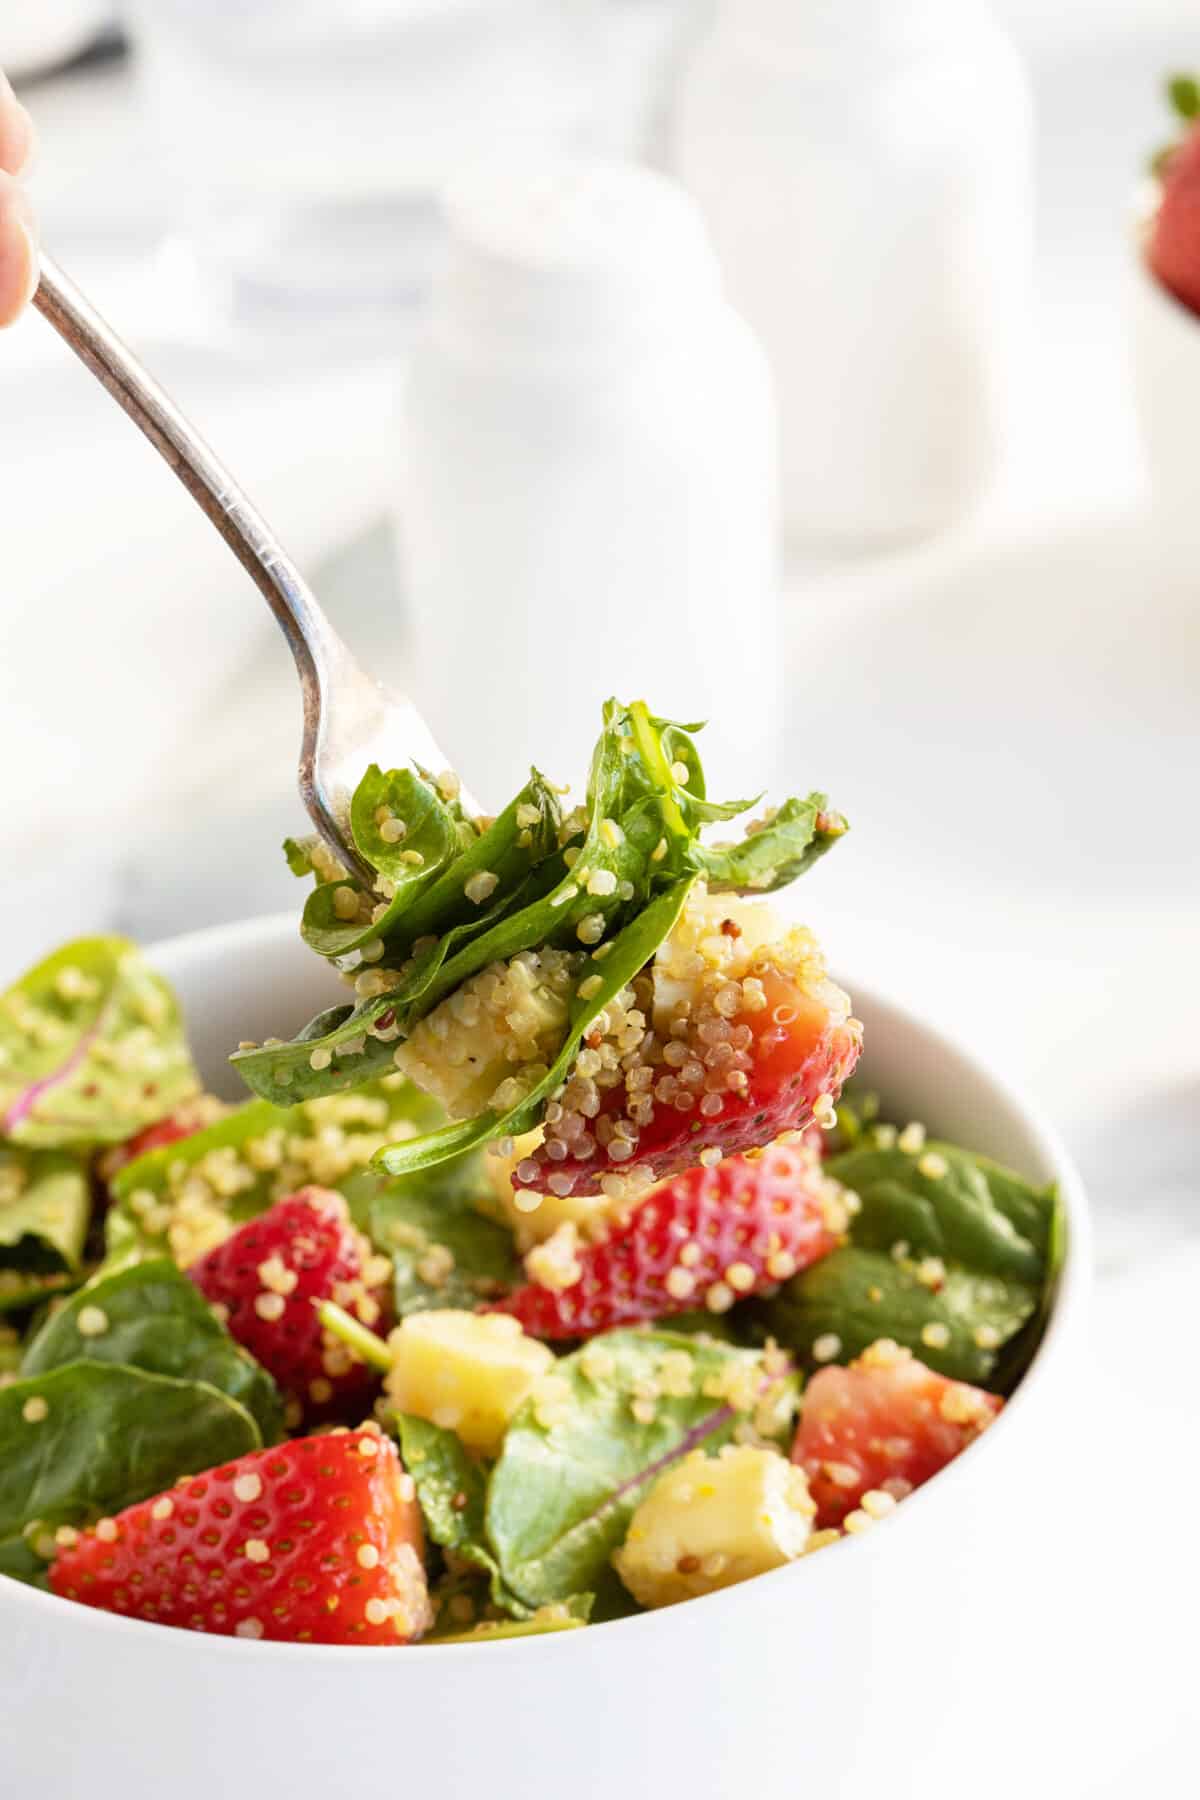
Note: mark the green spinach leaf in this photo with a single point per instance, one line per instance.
(565, 1617)
(109, 1436)
(444, 1251)
(45, 1208)
(635, 841)
(21, 1289)
(948, 1254)
(787, 844)
(561, 1496)
(157, 1320)
(452, 1491)
(91, 1048)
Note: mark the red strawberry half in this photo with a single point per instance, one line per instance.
(706, 1238)
(316, 1541)
(265, 1279)
(1174, 247)
(885, 1422)
(191, 1116)
(749, 1061)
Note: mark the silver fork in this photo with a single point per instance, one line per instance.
(350, 720)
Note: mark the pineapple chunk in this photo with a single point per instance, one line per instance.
(467, 1372)
(498, 1030)
(713, 1521)
(590, 1213)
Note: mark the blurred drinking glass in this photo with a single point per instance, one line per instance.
(305, 141)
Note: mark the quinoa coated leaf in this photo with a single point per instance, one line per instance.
(444, 1251)
(630, 952)
(255, 1160)
(157, 1320)
(542, 881)
(949, 1254)
(91, 1048)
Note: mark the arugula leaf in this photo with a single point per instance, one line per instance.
(267, 1142)
(630, 952)
(111, 1436)
(45, 1209)
(409, 1216)
(560, 1498)
(157, 1320)
(91, 1048)
(963, 1256)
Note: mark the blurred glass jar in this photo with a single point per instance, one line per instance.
(35, 38)
(305, 141)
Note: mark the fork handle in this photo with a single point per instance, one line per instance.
(207, 480)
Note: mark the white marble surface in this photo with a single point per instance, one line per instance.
(1009, 716)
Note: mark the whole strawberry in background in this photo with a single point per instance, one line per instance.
(265, 1281)
(1173, 246)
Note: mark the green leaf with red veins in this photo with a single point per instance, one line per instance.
(91, 1048)
(629, 1406)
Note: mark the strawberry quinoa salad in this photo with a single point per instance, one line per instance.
(549, 1279)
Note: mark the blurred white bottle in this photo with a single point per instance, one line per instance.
(864, 167)
(587, 499)
(306, 141)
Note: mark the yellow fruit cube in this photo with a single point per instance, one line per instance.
(712, 1521)
(467, 1372)
(536, 1217)
(505, 1023)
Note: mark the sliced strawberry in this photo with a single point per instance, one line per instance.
(192, 1115)
(747, 1063)
(706, 1238)
(885, 1422)
(1174, 247)
(265, 1279)
(316, 1541)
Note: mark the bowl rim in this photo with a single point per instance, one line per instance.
(1068, 1306)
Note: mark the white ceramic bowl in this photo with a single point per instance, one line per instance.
(890, 1664)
